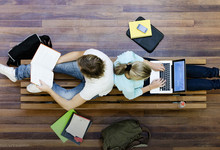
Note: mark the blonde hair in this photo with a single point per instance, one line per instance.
(137, 71)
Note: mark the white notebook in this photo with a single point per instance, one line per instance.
(78, 126)
(42, 65)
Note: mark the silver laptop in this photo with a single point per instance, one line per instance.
(174, 74)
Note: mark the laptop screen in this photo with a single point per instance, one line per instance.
(179, 75)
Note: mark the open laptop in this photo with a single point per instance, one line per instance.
(174, 74)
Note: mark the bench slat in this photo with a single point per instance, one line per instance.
(189, 60)
(114, 91)
(47, 143)
(121, 106)
(155, 98)
(66, 83)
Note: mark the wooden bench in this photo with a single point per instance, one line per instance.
(115, 99)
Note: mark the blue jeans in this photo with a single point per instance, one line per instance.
(69, 68)
(194, 74)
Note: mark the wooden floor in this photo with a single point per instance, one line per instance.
(191, 28)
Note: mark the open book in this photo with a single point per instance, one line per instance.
(42, 65)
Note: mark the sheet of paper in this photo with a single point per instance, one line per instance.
(46, 57)
(40, 73)
(78, 126)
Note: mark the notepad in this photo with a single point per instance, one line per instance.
(42, 65)
(78, 126)
(135, 33)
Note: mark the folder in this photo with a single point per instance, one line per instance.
(61, 123)
(135, 33)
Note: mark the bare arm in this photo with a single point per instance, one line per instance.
(66, 104)
(148, 62)
(155, 66)
(70, 56)
(146, 89)
(154, 84)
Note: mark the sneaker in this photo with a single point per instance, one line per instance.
(32, 88)
(8, 72)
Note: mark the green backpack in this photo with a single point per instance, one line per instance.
(125, 135)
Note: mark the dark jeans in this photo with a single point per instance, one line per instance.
(194, 74)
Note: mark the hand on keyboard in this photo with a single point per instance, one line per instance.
(157, 67)
(157, 83)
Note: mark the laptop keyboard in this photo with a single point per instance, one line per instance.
(166, 76)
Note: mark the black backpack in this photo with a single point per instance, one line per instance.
(125, 135)
(27, 48)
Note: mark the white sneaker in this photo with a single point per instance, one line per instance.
(32, 88)
(8, 72)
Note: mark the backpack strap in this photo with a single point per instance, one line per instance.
(142, 141)
(45, 39)
(145, 129)
(136, 143)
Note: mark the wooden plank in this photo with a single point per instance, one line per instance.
(94, 31)
(64, 45)
(156, 98)
(7, 83)
(113, 23)
(45, 128)
(196, 148)
(32, 3)
(8, 128)
(173, 106)
(20, 23)
(68, 9)
(24, 91)
(213, 98)
(9, 113)
(64, 83)
(24, 128)
(149, 2)
(114, 91)
(46, 143)
(189, 60)
(158, 8)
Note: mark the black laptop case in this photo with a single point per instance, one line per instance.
(148, 43)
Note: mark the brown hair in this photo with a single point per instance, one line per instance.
(91, 66)
(137, 70)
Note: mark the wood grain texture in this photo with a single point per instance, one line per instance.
(191, 29)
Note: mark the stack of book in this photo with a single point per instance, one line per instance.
(71, 127)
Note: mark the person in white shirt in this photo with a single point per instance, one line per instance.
(92, 67)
